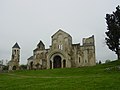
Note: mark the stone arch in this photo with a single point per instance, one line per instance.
(51, 58)
(51, 55)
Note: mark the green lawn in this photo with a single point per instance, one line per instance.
(99, 77)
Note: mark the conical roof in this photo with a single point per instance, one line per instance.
(16, 45)
(40, 43)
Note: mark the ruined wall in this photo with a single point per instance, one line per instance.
(89, 51)
(84, 55)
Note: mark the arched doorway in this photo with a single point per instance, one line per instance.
(57, 62)
(14, 68)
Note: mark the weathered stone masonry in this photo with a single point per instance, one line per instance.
(62, 53)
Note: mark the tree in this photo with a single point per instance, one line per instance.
(113, 33)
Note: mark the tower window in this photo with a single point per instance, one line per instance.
(15, 51)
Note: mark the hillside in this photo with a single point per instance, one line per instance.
(99, 77)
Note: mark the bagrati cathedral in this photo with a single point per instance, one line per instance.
(61, 54)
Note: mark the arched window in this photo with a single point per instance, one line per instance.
(60, 47)
(14, 51)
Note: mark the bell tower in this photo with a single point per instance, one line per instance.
(15, 58)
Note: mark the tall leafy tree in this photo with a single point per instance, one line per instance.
(113, 31)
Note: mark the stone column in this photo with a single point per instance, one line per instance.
(62, 63)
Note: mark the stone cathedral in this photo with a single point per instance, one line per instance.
(63, 53)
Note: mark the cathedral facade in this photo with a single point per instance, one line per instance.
(63, 53)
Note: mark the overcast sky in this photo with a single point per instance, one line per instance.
(29, 21)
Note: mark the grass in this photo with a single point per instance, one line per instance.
(99, 77)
